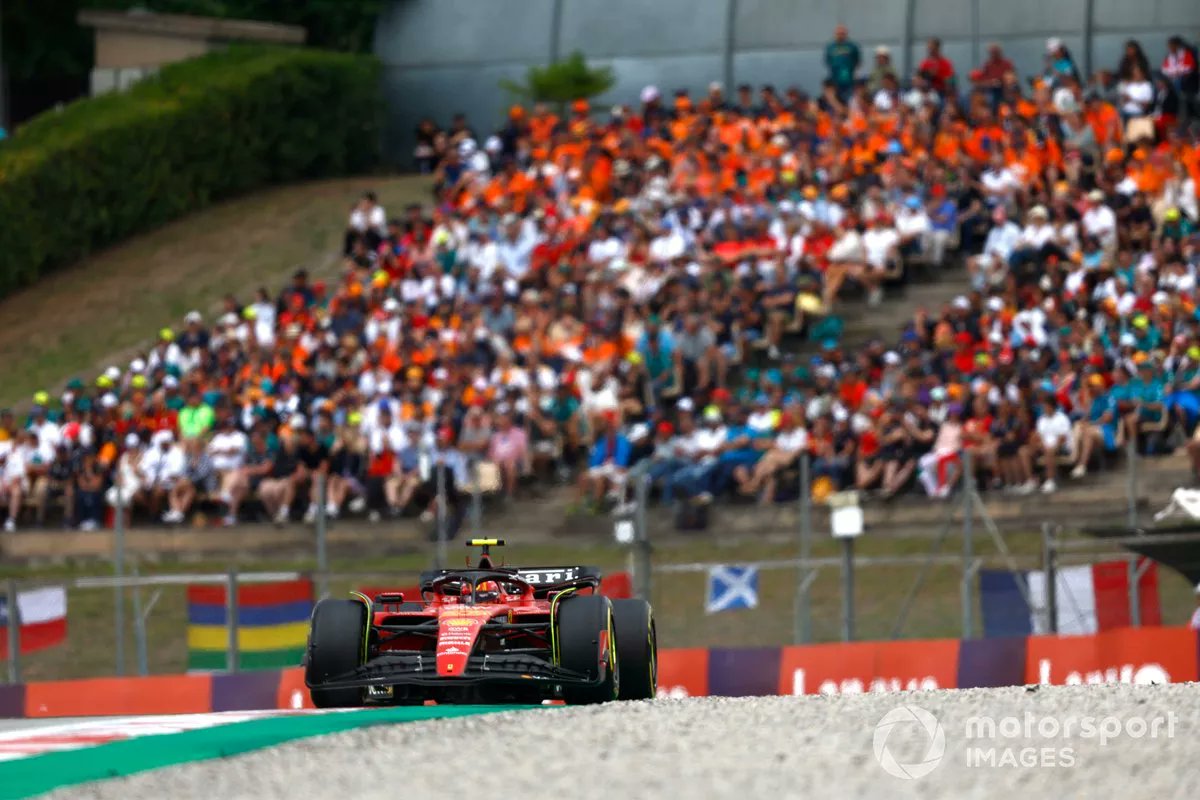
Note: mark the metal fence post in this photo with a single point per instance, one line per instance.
(322, 489)
(1134, 572)
(439, 468)
(641, 547)
(14, 633)
(968, 549)
(847, 588)
(119, 568)
(476, 498)
(231, 620)
(802, 632)
(1050, 567)
(1131, 457)
(139, 629)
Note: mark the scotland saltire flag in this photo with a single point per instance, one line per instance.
(731, 588)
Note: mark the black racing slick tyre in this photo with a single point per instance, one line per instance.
(637, 645)
(335, 647)
(587, 644)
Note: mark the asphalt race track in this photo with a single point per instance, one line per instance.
(1114, 741)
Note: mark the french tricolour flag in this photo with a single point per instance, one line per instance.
(43, 617)
(1090, 598)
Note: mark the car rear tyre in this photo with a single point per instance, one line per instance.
(587, 644)
(638, 647)
(335, 647)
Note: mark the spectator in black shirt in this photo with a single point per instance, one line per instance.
(314, 461)
(278, 488)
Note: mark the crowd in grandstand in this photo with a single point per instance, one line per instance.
(600, 288)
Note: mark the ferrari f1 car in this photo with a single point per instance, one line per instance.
(484, 634)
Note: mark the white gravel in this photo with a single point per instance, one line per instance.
(776, 747)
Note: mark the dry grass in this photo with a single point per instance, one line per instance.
(78, 319)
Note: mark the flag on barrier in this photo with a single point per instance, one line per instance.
(731, 588)
(272, 622)
(43, 619)
(1089, 598)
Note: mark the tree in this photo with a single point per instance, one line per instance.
(563, 81)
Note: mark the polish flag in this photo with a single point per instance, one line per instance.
(43, 619)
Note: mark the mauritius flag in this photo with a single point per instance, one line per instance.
(272, 625)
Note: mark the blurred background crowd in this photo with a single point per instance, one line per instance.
(660, 285)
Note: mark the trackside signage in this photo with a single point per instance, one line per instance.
(1128, 655)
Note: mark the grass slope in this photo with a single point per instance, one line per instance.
(77, 320)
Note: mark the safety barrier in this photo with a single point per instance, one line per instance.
(1125, 655)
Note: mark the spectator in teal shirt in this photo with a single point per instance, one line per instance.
(842, 58)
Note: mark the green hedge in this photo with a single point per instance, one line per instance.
(104, 168)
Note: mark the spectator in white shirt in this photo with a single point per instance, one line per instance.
(998, 182)
(159, 468)
(1100, 221)
(1053, 437)
(227, 448)
(367, 220)
(16, 457)
(913, 225)
(881, 245)
(1036, 238)
(790, 441)
(991, 265)
(847, 258)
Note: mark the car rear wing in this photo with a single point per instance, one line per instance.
(544, 580)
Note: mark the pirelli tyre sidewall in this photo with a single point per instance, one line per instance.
(638, 645)
(583, 624)
(335, 647)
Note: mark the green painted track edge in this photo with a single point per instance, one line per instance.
(27, 777)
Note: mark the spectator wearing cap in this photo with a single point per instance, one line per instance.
(1059, 65)
(842, 59)
(708, 442)
(939, 469)
(667, 456)
(160, 468)
(990, 267)
(883, 72)
(913, 226)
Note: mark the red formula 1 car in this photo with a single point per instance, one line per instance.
(484, 634)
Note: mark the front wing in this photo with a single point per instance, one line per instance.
(516, 671)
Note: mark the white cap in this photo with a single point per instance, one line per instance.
(297, 421)
(715, 86)
(1053, 44)
(162, 437)
(131, 441)
(685, 404)
(170, 382)
(572, 353)
(467, 146)
(109, 401)
(639, 432)
(192, 316)
(649, 94)
(891, 357)
(961, 302)
(391, 305)
(137, 365)
(995, 304)
(112, 373)
(883, 50)
(493, 144)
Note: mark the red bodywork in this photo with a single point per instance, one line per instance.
(459, 626)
